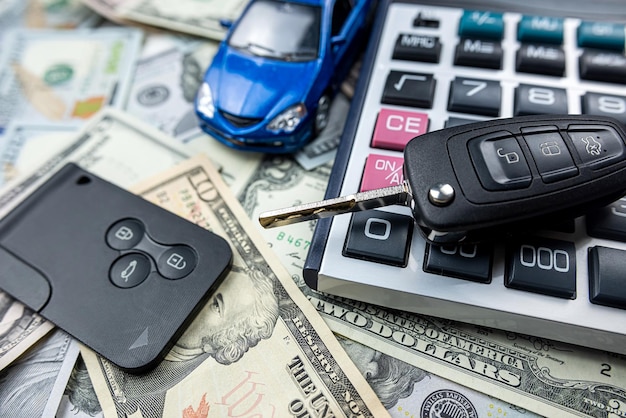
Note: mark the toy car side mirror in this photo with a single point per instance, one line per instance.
(226, 23)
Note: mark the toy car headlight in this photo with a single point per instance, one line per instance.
(204, 101)
(289, 119)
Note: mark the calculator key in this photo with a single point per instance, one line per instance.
(478, 53)
(604, 105)
(541, 265)
(412, 47)
(454, 121)
(424, 20)
(540, 59)
(499, 162)
(409, 89)
(602, 35)
(481, 97)
(608, 222)
(597, 146)
(382, 171)
(603, 66)
(542, 29)
(536, 100)
(550, 153)
(394, 128)
(468, 261)
(379, 236)
(481, 24)
(606, 277)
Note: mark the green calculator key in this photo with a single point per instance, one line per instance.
(483, 25)
(540, 29)
(602, 35)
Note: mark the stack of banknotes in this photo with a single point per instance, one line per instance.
(110, 84)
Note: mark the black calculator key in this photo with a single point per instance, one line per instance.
(480, 97)
(454, 121)
(379, 236)
(478, 53)
(468, 261)
(130, 270)
(606, 277)
(541, 59)
(541, 265)
(604, 105)
(177, 262)
(125, 234)
(604, 66)
(608, 222)
(409, 89)
(412, 47)
(550, 153)
(536, 100)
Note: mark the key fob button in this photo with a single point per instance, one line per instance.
(550, 153)
(499, 162)
(125, 234)
(177, 262)
(597, 146)
(129, 270)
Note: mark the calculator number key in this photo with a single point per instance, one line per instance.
(480, 97)
(543, 266)
(535, 100)
(379, 236)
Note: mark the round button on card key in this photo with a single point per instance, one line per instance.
(130, 270)
(125, 234)
(177, 262)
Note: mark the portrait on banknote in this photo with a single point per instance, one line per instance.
(231, 323)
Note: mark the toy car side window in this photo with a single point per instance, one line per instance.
(341, 11)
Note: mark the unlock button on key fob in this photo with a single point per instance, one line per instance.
(499, 161)
(177, 262)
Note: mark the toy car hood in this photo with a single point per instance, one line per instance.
(248, 87)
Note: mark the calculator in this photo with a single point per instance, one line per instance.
(436, 64)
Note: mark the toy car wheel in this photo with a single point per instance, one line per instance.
(322, 114)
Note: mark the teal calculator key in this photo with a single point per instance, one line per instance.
(483, 25)
(542, 29)
(603, 35)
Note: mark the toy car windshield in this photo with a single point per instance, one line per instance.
(279, 30)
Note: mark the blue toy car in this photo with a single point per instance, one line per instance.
(271, 82)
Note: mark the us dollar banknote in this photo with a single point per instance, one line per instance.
(257, 348)
(20, 328)
(406, 390)
(164, 88)
(547, 377)
(53, 76)
(27, 387)
(25, 145)
(188, 16)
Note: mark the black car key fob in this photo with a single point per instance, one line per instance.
(118, 273)
(464, 183)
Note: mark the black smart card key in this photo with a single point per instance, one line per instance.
(464, 183)
(120, 274)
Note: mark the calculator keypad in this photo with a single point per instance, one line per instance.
(437, 67)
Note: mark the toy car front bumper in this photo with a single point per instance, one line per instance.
(277, 144)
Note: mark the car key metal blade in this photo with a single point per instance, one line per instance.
(371, 199)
